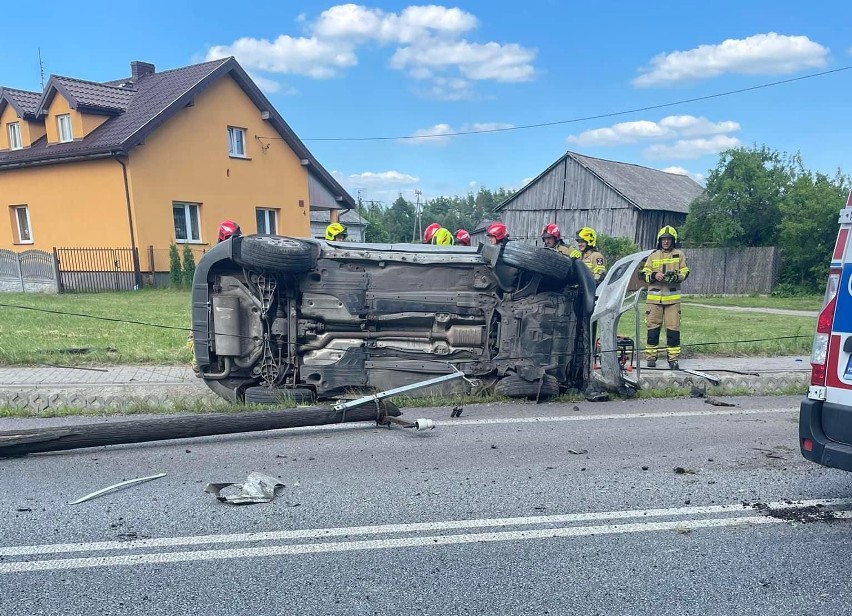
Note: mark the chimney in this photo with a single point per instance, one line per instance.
(140, 69)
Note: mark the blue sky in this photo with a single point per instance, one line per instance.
(396, 69)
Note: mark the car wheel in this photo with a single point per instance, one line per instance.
(539, 260)
(277, 253)
(269, 395)
(513, 386)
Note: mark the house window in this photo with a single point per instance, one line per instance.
(64, 124)
(22, 218)
(267, 221)
(236, 142)
(186, 222)
(15, 136)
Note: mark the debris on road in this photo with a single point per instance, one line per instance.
(578, 452)
(457, 411)
(679, 470)
(812, 513)
(258, 488)
(122, 484)
(716, 402)
(696, 392)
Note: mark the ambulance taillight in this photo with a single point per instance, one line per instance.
(822, 338)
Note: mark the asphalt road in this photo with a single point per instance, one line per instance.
(510, 509)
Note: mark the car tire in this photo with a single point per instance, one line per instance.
(269, 395)
(277, 253)
(513, 386)
(539, 260)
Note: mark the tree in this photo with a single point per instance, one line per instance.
(399, 220)
(175, 273)
(188, 266)
(741, 204)
(809, 227)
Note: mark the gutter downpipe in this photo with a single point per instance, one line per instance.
(137, 275)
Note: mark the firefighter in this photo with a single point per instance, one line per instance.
(442, 237)
(552, 238)
(430, 231)
(497, 233)
(663, 272)
(227, 229)
(587, 242)
(336, 232)
(462, 238)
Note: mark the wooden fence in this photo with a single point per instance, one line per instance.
(732, 271)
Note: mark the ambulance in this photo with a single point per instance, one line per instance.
(825, 416)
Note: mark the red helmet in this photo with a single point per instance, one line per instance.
(552, 230)
(498, 231)
(227, 229)
(463, 237)
(429, 233)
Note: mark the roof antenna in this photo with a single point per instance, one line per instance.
(41, 68)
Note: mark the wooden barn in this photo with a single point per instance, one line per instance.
(616, 199)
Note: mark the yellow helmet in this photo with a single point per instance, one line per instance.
(443, 237)
(667, 231)
(334, 231)
(588, 235)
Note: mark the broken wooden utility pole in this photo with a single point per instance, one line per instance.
(38, 440)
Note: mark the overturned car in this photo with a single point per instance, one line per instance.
(278, 317)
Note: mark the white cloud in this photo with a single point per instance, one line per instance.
(526, 181)
(353, 21)
(473, 183)
(428, 41)
(493, 61)
(267, 85)
(670, 127)
(370, 179)
(698, 177)
(299, 56)
(761, 54)
(440, 134)
(691, 148)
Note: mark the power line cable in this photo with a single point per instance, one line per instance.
(584, 118)
(189, 329)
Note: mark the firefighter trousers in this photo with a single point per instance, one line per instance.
(657, 316)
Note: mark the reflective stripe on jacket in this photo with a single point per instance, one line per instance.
(664, 261)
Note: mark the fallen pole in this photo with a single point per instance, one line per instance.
(39, 440)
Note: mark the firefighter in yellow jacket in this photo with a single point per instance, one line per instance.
(587, 242)
(663, 272)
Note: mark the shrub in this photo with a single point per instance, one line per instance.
(613, 248)
(175, 271)
(188, 266)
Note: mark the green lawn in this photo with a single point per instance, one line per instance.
(807, 302)
(29, 337)
(706, 331)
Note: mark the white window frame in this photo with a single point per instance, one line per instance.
(63, 125)
(193, 232)
(269, 215)
(29, 227)
(237, 142)
(15, 142)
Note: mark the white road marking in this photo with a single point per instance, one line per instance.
(511, 420)
(432, 527)
(378, 544)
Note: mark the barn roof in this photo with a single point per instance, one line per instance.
(643, 187)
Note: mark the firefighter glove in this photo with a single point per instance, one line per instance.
(671, 277)
(575, 254)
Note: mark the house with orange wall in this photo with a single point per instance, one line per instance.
(154, 159)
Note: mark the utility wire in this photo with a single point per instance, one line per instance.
(636, 349)
(585, 118)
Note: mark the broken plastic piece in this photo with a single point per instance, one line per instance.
(115, 487)
(258, 488)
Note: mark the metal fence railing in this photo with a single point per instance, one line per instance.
(97, 269)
